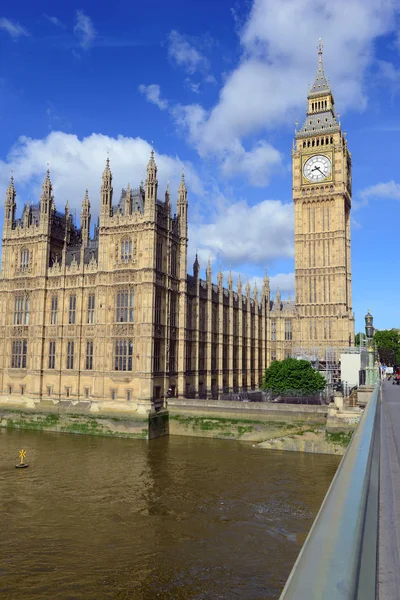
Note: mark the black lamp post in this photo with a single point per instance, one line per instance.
(369, 326)
(371, 375)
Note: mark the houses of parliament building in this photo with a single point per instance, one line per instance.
(115, 316)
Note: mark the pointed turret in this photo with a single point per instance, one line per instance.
(151, 182)
(182, 189)
(168, 200)
(248, 289)
(321, 84)
(196, 267)
(85, 219)
(239, 286)
(230, 281)
(265, 288)
(209, 273)
(128, 201)
(106, 192)
(182, 206)
(67, 234)
(220, 279)
(10, 204)
(278, 297)
(46, 198)
(255, 292)
(320, 117)
(27, 214)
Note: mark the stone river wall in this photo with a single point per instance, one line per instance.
(275, 426)
(73, 420)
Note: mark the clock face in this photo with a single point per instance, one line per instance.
(317, 168)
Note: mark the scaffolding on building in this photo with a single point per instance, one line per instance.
(327, 362)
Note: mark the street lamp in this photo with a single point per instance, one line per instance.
(369, 325)
(372, 373)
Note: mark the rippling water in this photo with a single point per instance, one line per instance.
(177, 518)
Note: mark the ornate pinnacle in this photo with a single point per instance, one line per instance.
(220, 278)
(230, 280)
(10, 195)
(86, 201)
(46, 186)
(107, 171)
(151, 164)
(196, 265)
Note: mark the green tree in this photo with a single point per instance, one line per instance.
(388, 344)
(357, 339)
(292, 374)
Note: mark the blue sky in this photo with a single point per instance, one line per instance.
(217, 88)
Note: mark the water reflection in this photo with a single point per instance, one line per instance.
(179, 518)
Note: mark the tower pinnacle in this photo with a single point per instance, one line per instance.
(106, 191)
(321, 84)
(151, 183)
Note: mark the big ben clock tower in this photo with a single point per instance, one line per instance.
(322, 203)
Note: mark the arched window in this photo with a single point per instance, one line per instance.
(304, 144)
(331, 140)
(322, 142)
(126, 250)
(24, 262)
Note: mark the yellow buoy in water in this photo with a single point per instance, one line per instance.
(22, 464)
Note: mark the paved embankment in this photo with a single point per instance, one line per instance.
(389, 495)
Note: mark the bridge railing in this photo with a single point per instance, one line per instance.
(339, 557)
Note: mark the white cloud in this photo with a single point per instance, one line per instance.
(76, 163)
(268, 87)
(232, 232)
(256, 164)
(153, 95)
(282, 281)
(389, 190)
(13, 28)
(193, 86)
(54, 20)
(84, 29)
(184, 54)
(241, 233)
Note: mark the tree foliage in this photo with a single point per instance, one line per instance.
(292, 374)
(388, 344)
(357, 339)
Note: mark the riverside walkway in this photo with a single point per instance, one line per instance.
(389, 495)
(353, 549)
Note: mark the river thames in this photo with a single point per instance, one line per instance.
(176, 518)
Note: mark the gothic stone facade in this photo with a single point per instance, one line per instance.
(116, 317)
